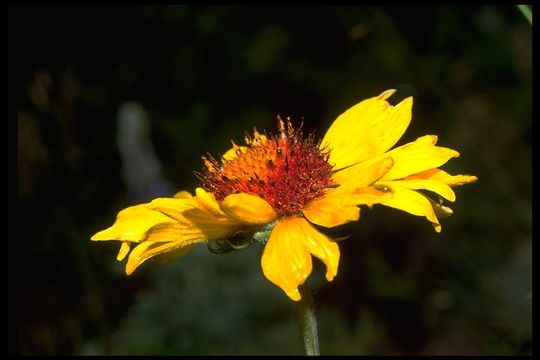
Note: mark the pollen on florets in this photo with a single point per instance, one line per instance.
(287, 170)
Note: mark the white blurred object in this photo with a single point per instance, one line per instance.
(141, 168)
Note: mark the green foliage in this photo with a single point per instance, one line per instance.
(210, 304)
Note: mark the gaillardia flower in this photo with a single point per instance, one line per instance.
(276, 187)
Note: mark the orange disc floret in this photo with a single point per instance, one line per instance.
(287, 170)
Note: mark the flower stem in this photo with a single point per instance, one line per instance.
(308, 321)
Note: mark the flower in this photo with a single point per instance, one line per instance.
(277, 187)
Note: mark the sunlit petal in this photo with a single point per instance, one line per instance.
(147, 250)
(420, 155)
(364, 173)
(132, 224)
(413, 203)
(124, 250)
(248, 208)
(443, 176)
(437, 187)
(286, 260)
(207, 201)
(367, 129)
(339, 205)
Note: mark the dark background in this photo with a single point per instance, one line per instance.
(204, 75)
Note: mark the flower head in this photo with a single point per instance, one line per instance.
(276, 187)
(286, 170)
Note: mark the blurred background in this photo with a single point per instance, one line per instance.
(113, 106)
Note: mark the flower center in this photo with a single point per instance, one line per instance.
(287, 170)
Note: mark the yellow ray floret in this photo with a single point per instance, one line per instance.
(366, 130)
(444, 177)
(340, 205)
(286, 260)
(248, 208)
(169, 227)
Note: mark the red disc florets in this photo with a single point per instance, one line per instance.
(287, 170)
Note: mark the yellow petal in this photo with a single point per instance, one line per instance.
(135, 258)
(443, 176)
(372, 195)
(169, 241)
(364, 173)
(174, 254)
(337, 207)
(418, 156)
(212, 227)
(183, 215)
(183, 195)
(248, 208)
(169, 227)
(285, 262)
(194, 220)
(367, 129)
(173, 208)
(286, 259)
(340, 205)
(437, 187)
(207, 201)
(318, 245)
(183, 232)
(147, 250)
(413, 203)
(334, 208)
(124, 249)
(132, 224)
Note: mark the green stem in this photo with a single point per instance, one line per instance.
(526, 11)
(308, 321)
